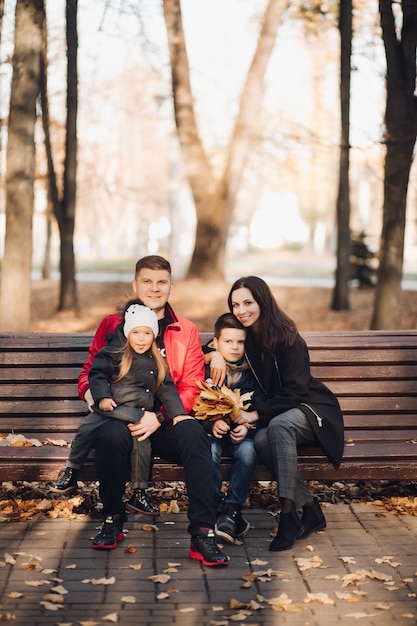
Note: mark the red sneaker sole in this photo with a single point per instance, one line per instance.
(193, 554)
(109, 546)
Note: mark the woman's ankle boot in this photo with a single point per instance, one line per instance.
(289, 528)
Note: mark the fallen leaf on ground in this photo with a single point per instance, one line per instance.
(103, 581)
(111, 617)
(323, 598)
(162, 596)
(149, 527)
(130, 550)
(50, 606)
(55, 598)
(160, 578)
(346, 596)
(136, 566)
(60, 589)
(350, 560)
(305, 564)
(128, 599)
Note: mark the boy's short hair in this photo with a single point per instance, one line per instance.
(227, 320)
(152, 262)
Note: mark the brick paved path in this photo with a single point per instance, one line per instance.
(357, 540)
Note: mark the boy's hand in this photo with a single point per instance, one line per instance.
(107, 404)
(238, 434)
(220, 428)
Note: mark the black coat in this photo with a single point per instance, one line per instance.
(285, 377)
(136, 389)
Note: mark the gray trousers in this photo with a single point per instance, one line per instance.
(84, 440)
(276, 446)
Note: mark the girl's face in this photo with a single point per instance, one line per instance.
(245, 308)
(141, 339)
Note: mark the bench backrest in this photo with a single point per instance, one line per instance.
(372, 373)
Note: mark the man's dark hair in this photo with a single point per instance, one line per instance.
(227, 320)
(152, 262)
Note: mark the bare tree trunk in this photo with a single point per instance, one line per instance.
(401, 130)
(66, 218)
(16, 280)
(215, 197)
(340, 300)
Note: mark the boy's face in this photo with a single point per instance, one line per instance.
(231, 344)
(153, 288)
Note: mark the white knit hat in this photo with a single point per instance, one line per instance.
(138, 315)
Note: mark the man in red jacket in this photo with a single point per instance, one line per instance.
(182, 441)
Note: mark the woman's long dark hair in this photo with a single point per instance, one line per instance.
(274, 325)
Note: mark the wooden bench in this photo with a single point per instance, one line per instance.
(372, 373)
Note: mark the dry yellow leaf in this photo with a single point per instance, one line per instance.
(36, 583)
(346, 596)
(130, 550)
(237, 604)
(163, 595)
(111, 617)
(15, 594)
(323, 598)
(50, 606)
(149, 527)
(103, 581)
(60, 589)
(128, 599)
(305, 564)
(55, 598)
(136, 566)
(8, 558)
(160, 578)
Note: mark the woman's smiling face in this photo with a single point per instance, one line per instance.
(245, 307)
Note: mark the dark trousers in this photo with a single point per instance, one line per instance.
(186, 443)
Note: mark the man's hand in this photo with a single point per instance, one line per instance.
(146, 426)
(181, 418)
(88, 397)
(220, 428)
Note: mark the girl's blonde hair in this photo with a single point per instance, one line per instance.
(127, 358)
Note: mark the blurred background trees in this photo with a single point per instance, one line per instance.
(209, 132)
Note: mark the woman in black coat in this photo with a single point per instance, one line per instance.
(298, 409)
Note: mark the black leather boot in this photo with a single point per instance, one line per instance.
(289, 528)
(312, 519)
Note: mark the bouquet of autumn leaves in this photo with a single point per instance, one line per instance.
(214, 403)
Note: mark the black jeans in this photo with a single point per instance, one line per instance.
(187, 443)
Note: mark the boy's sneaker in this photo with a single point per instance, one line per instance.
(230, 524)
(111, 533)
(140, 503)
(67, 481)
(204, 548)
(242, 525)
